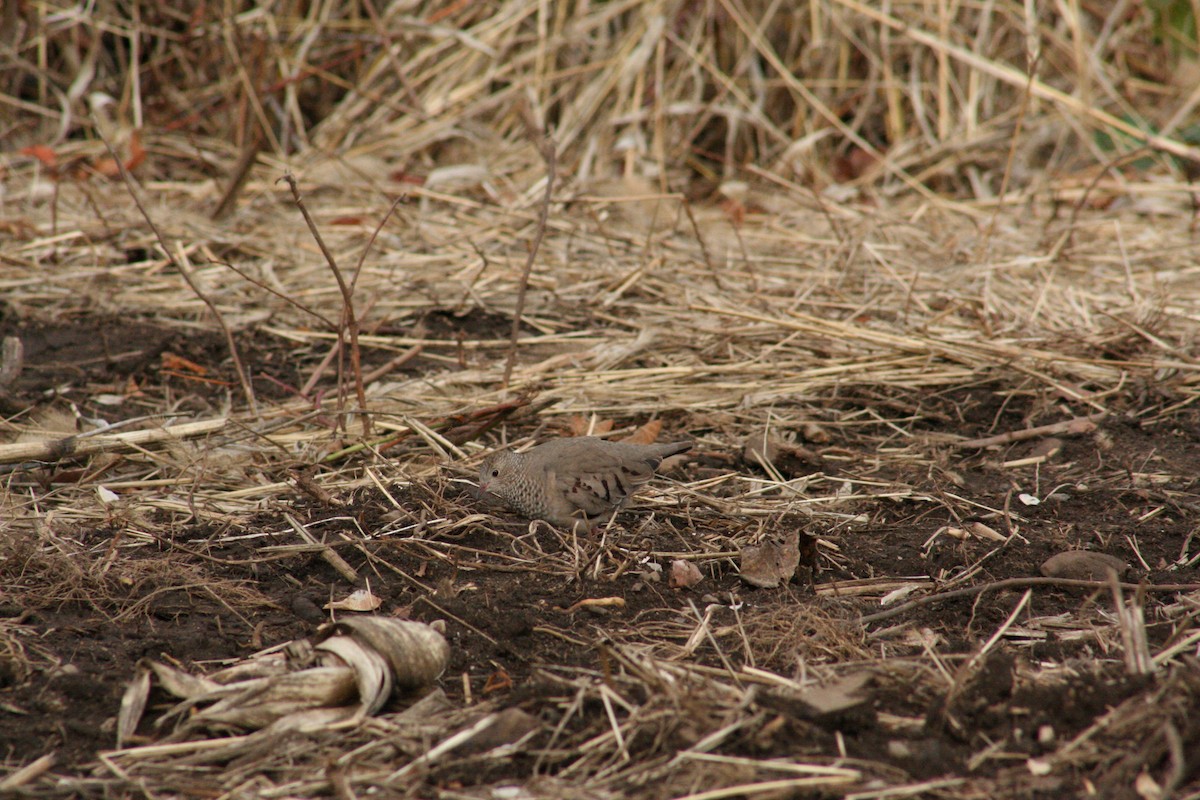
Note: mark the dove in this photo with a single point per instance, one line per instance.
(578, 479)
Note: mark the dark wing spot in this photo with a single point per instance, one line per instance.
(607, 490)
(620, 486)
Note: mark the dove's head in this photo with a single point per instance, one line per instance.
(496, 471)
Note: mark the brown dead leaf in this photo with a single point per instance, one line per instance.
(107, 165)
(647, 434)
(137, 153)
(814, 433)
(401, 176)
(579, 425)
(771, 563)
(853, 165)
(1047, 448)
(1083, 565)
(597, 602)
(735, 210)
(43, 153)
(761, 446)
(508, 727)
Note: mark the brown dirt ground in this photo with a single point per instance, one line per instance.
(1129, 490)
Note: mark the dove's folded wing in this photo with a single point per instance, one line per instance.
(600, 483)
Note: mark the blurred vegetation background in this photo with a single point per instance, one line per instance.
(971, 100)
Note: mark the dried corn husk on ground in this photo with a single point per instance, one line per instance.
(346, 675)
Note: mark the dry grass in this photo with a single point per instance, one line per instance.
(821, 220)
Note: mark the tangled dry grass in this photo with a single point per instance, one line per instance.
(866, 238)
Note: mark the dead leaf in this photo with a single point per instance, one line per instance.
(598, 602)
(175, 363)
(771, 563)
(43, 153)
(361, 600)
(761, 447)
(820, 702)
(684, 574)
(814, 433)
(852, 165)
(348, 671)
(400, 176)
(837, 696)
(107, 165)
(1046, 448)
(735, 210)
(1083, 565)
(647, 434)
(579, 425)
(508, 727)
(981, 531)
(137, 153)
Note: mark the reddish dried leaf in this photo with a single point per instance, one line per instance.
(400, 176)
(180, 364)
(735, 210)
(137, 153)
(580, 425)
(42, 153)
(647, 434)
(107, 166)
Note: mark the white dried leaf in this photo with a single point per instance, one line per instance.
(416, 652)
(361, 600)
(133, 704)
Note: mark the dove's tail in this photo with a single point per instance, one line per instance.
(672, 448)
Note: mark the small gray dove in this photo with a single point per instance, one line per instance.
(577, 479)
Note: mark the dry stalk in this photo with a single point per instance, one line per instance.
(546, 147)
(186, 274)
(1019, 583)
(241, 173)
(349, 321)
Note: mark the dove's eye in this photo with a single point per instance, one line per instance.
(495, 473)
